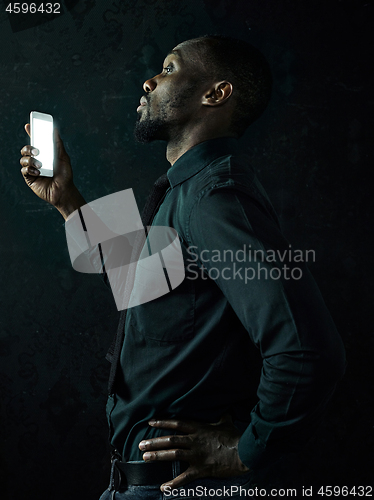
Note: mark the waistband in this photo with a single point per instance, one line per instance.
(144, 473)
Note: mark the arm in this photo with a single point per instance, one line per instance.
(93, 246)
(61, 192)
(286, 319)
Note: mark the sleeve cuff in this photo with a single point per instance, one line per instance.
(71, 215)
(255, 454)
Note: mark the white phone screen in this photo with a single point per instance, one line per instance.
(42, 138)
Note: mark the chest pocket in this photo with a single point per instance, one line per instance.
(169, 318)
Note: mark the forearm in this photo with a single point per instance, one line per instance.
(71, 202)
(289, 411)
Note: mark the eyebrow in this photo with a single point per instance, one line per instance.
(174, 53)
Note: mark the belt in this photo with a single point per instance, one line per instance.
(146, 473)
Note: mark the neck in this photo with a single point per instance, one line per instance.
(184, 141)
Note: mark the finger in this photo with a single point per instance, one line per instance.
(168, 455)
(186, 477)
(225, 419)
(28, 129)
(29, 151)
(26, 171)
(165, 442)
(186, 426)
(29, 161)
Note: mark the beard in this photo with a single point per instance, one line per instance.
(149, 130)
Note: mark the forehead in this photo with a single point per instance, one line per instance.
(190, 53)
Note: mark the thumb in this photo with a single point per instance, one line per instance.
(60, 151)
(226, 418)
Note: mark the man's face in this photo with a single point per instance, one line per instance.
(172, 97)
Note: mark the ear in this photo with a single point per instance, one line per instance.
(218, 94)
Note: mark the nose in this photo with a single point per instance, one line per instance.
(149, 85)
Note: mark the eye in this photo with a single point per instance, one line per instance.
(169, 68)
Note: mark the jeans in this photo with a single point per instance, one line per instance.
(201, 489)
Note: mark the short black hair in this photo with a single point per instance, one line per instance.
(239, 62)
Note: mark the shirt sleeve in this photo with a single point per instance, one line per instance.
(283, 313)
(85, 256)
(101, 234)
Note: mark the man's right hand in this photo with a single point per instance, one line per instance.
(58, 190)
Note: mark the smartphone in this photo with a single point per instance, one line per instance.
(42, 138)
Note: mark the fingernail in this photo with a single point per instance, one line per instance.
(38, 163)
(152, 422)
(164, 486)
(142, 445)
(35, 171)
(35, 151)
(147, 456)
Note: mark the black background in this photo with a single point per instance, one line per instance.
(311, 149)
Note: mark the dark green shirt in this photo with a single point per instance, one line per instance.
(239, 323)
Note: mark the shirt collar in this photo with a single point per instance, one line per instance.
(198, 157)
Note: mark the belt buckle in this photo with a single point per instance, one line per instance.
(117, 478)
(115, 455)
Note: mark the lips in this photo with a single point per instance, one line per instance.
(143, 102)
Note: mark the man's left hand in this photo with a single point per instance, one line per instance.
(210, 449)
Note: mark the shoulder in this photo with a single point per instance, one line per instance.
(226, 188)
(227, 171)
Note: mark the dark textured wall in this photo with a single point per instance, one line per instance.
(311, 149)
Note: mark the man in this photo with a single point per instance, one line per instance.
(183, 410)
